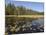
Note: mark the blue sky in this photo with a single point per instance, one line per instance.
(37, 6)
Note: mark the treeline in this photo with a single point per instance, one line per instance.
(11, 9)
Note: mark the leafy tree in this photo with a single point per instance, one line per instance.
(10, 9)
(21, 10)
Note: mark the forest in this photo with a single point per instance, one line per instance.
(11, 9)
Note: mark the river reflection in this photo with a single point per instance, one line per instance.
(32, 27)
(38, 25)
(26, 26)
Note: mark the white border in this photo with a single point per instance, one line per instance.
(2, 17)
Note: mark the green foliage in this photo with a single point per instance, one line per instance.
(9, 9)
(21, 10)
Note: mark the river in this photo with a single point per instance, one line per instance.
(33, 27)
(30, 26)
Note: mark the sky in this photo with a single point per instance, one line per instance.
(37, 6)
